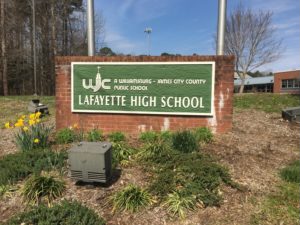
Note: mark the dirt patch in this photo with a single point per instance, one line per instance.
(257, 147)
(7, 145)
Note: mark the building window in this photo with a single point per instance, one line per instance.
(284, 84)
(290, 83)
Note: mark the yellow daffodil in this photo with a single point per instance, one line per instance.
(37, 115)
(20, 121)
(25, 128)
(32, 116)
(31, 122)
(23, 117)
(19, 124)
(36, 140)
(37, 120)
(7, 125)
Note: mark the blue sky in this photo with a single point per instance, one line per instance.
(188, 26)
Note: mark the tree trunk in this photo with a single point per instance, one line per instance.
(53, 50)
(242, 86)
(53, 29)
(3, 51)
(243, 77)
(65, 29)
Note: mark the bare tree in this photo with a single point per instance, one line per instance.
(60, 30)
(250, 38)
(3, 49)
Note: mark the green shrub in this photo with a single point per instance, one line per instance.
(65, 213)
(203, 134)
(7, 190)
(121, 153)
(164, 183)
(132, 198)
(117, 136)
(46, 186)
(194, 174)
(15, 167)
(3, 190)
(184, 141)
(65, 136)
(34, 137)
(178, 202)
(94, 135)
(153, 151)
(291, 173)
(152, 136)
(149, 136)
(165, 136)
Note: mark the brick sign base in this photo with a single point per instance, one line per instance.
(133, 124)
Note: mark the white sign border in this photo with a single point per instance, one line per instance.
(211, 113)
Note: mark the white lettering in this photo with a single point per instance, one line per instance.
(79, 99)
(178, 102)
(143, 101)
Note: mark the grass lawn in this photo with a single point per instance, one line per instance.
(13, 107)
(266, 102)
(283, 206)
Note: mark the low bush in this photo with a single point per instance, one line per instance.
(149, 136)
(178, 202)
(152, 136)
(94, 135)
(165, 136)
(65, 213)
(132, 198)
(15, 167)
(203, 134)
(65, 136)
(291, 173)
(117, 136)
(46, 186)
(184, 141)
(121, 153)
(154, 151)
(163, 184)
(7, 190)
(188, 174)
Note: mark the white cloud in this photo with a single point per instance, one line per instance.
(275, 6)
(120, 44)
(290, 60)
(145, 10)
(124, 7)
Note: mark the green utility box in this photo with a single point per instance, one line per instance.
(91, 161)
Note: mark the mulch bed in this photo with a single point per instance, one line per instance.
(258, 146)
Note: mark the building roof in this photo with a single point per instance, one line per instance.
(236, 76)
(255, 80)
(288, 71)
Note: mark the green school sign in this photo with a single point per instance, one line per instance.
(171, 88)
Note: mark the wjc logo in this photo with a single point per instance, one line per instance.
(99, 83)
